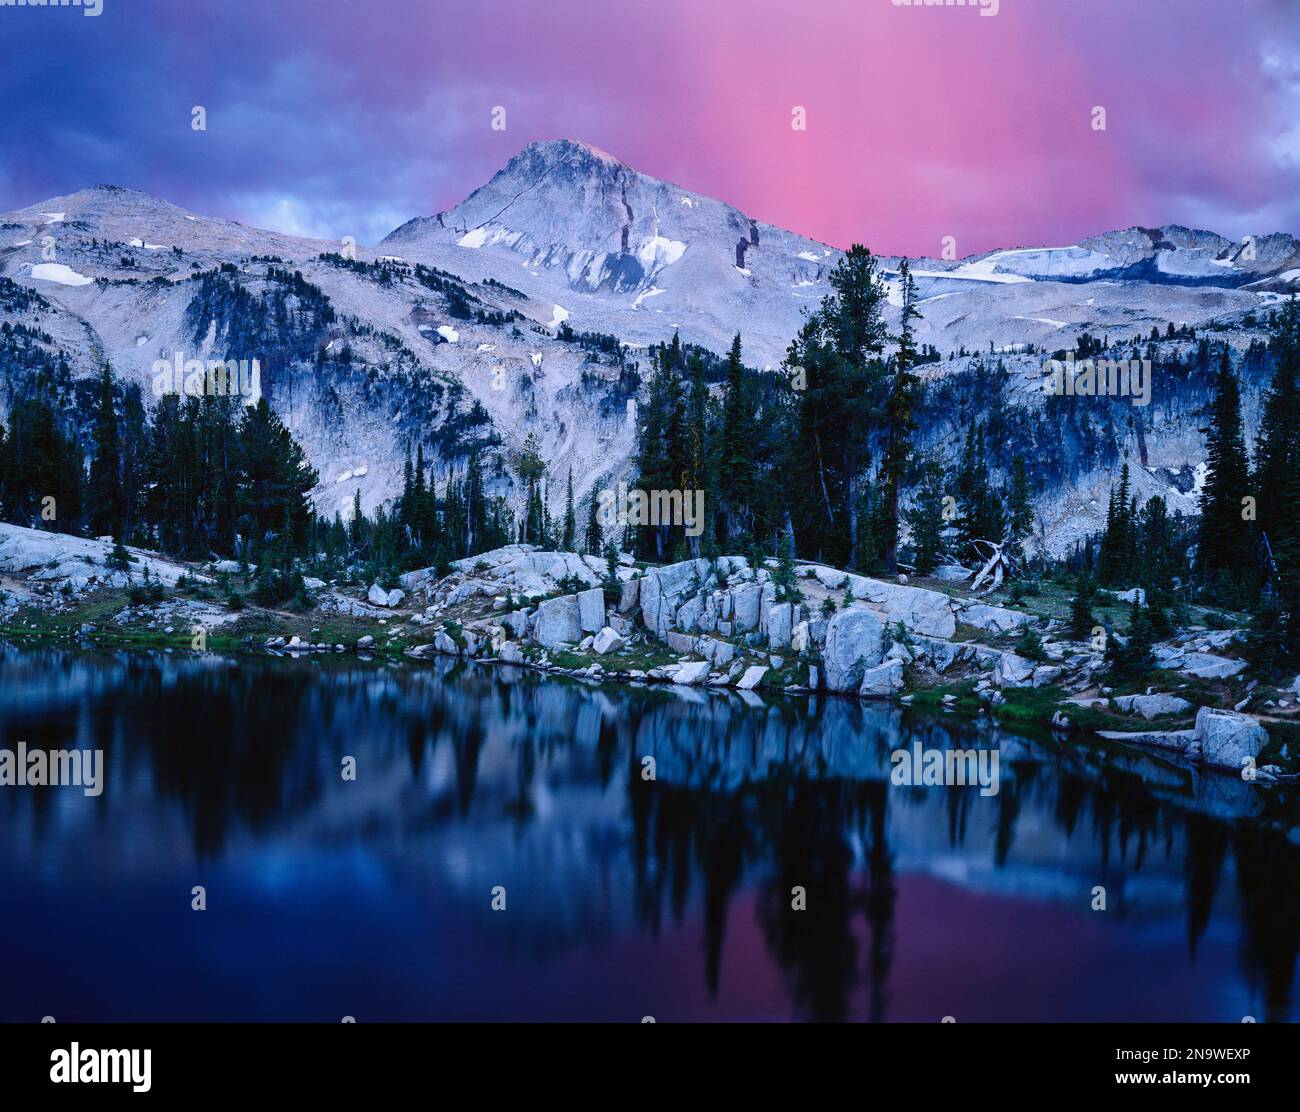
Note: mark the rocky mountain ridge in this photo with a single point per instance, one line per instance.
(527, 309)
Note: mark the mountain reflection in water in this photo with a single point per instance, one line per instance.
(626, 897)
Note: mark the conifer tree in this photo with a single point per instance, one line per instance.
(424, 508)
(408, 492)
(594, 540)
(1277, 474)
(478, 535)
(1030, 643)
(1224, 549)
(699, 465)
(981, 516)
(1020, 509)
(660, 454)
(837, 360)
(358, 522)
(275, 478)
(135, 452)
(738, 466)
(899, 423)
(1138, 659)
(42, 468)
(783, 578)
(611, 567)
(926, 521)
(1118, 544)
(569, 540)
(531, 469)
(1082, 623)
(104, 490)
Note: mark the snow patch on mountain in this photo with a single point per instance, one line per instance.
(61, 273)
(658, 251)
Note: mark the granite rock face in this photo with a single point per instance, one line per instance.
(1227, 739)
(854, 642)
(607, 641)
(558, 622)
(591, 610)
(1013, 671)
(883, 680)
(1152, 706)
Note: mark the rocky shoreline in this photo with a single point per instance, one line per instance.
(695, 624)
(726, 626)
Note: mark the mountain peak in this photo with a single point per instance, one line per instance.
(565, 161)
(563, 149)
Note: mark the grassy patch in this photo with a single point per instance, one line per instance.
(32, 625)
(565, 658)
(639, 658)
(1096, 719)
(968, 633)
(1029, 706)
(965, 701)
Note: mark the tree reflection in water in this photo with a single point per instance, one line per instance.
(748, 802)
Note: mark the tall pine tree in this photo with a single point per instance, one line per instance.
(1225, 545)
(105, 492)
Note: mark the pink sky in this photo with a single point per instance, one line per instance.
(334, 116)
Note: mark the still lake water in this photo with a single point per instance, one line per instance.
(625, 897)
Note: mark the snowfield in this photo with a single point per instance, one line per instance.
(61, 273)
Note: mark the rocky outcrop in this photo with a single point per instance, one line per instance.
(1227, 739)
(1207, 666)
(1221, 739)
(377, 596)
(952, 573)
(717, 653)
(629, 596)
(1152, 706)
(1181, 742)
(731, 598)
(663, 590)
(921, 611)
(716, 615)
(591, 610)
(692, 673)
(558, 622)
(830, 578)
(510, 653)
(855, 641)
(519, 622)
(1013, 671)
(992, 619)
(746, 601)
(779, 624)
(523, 571)
(62, 563)
(606, 641)
(882, 681)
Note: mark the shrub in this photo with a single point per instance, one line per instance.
(1030, 644)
